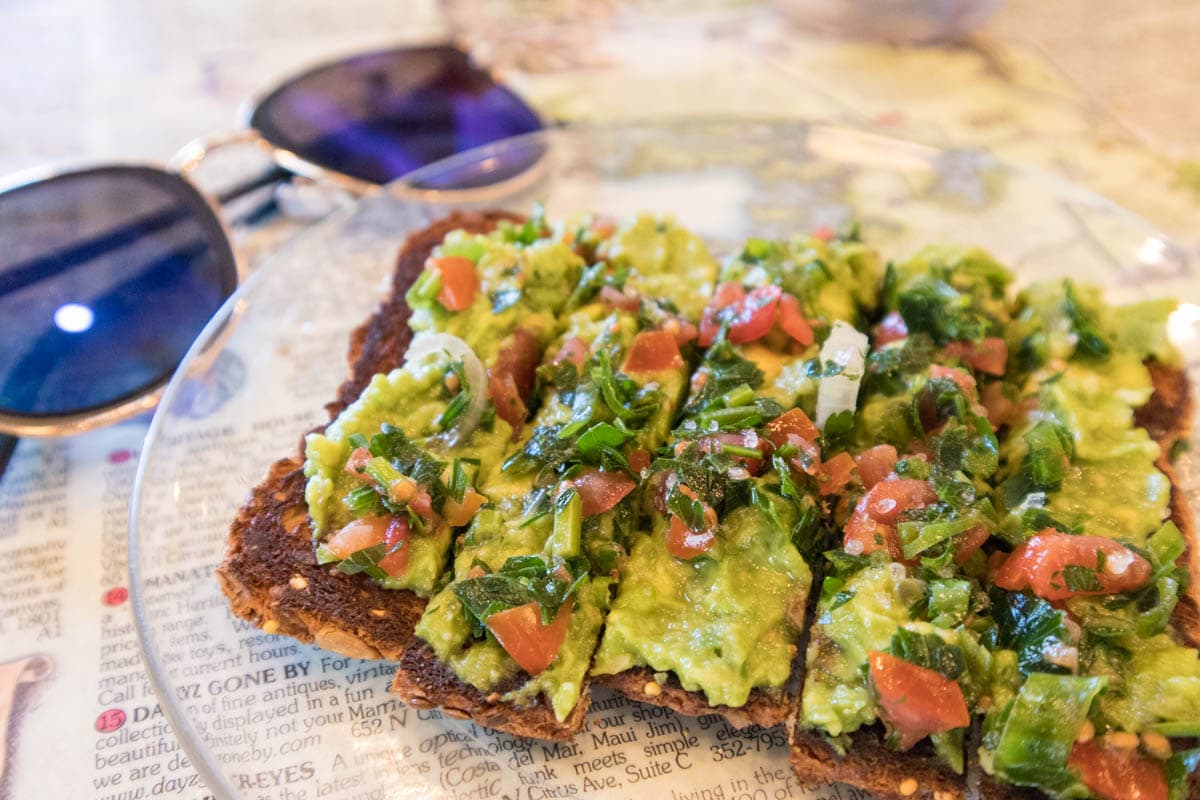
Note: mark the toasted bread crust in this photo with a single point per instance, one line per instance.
(270, 574)
(423, 681)
(868, 764)
(762, 708)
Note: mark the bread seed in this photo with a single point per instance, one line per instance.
(457, 713)
(940, 795)
(652, 689)
(271, 626)
(298, 583)
(1156, 745)
(908, 786)
(379, 612)
(1086, 731)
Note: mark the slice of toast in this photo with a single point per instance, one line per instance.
(424, 681)
(1167, 417)
(270, 573)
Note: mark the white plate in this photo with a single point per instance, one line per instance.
(219, 428)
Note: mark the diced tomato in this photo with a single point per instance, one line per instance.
(459, 514)
(872, 526)
(358, 459)
(370, 531)
(965, 381)
(603, 226)
(791, 319)
(1113, 773)
(521, 633)
(460, 282)
(1039, 564)
(890, 329)
(685, 543)
(614, 297)
(823, 232)
(600, 491)
(1000, 408)
(791, 421)
(876, 463)
(574, 350)
(965, 544)
(683, 330)
(653, 351)
(916, 701)
(638, 460)
(358, 535)
(750, 316)
(398, 533)
(836, 473)
(422, 504)
(511, 379)
(756, 315)
(988, 356)
(714, 443)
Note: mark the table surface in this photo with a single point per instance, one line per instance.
(1099, 91)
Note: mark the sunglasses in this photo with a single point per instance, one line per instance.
(108, 274)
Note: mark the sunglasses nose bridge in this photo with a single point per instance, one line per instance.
(189, 157)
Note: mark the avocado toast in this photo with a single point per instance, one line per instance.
(509, 641)
(609, 501)
(741, 490)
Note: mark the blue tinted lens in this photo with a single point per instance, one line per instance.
(380, 115)
(106, 278)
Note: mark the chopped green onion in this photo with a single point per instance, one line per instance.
(458, 481)
(917, 537)
(949, 601)
(738, 396)
(1177, 729)
(568, 524)
(356, 440)
(1166, 545)
(738, 450)
(424, 289)
(382, 472)
(361, 500)
(1040, 730)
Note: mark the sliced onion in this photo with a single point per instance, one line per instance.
(426, 343)
(846, 347)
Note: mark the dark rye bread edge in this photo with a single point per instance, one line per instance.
(424, 681)
(1167, 417)
(270, 574)
(762, 708)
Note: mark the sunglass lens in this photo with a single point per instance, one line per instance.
(378, 116)
(106, 278)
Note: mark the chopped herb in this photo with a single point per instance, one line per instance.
(1028, 625)
(929, 651)
(689, 510)
(1081, 579)
(1090, 340)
